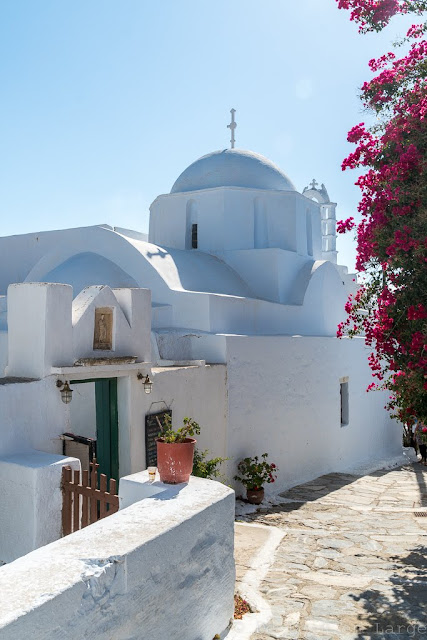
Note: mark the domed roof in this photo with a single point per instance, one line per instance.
(232, 168)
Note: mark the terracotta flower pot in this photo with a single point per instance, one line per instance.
(175, 460)
(255, 496)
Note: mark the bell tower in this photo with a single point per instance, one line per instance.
(329, 220)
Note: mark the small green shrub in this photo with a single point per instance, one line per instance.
(204, 467)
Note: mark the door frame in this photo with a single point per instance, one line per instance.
(107, 424)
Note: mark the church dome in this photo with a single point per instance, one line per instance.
(232, 168)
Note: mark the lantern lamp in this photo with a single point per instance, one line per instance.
(146, 382)
(66, 391)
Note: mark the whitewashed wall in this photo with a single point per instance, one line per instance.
(83, 410)
(3, 352)
(284, 399)
(30, 501)
(161, 569)
(47, 328)
(227, 220)
(196, 392)
(32, 416)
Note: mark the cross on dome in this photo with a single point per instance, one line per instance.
(232, 126)
(313, 184)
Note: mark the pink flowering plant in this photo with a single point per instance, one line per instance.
(390, 306)
(255, 472)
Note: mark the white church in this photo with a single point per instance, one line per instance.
(230, 306)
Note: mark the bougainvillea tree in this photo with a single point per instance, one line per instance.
(390, 306)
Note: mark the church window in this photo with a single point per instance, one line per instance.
(309, 231)
(344, 400)
(194, 240)
(191, 240)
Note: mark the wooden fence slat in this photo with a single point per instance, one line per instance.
(93, 473)
(74, 518)
(66, 505)
(93, 500)
(103, 489)
(76, 502)
(85, 500)
(114, 498)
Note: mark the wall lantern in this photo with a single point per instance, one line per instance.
(66, 392)
(147, 383)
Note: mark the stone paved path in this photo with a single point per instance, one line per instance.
(352, 564)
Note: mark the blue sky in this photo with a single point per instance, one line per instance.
(104, 103)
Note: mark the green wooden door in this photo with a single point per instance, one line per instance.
(107, 428)
(107, 425)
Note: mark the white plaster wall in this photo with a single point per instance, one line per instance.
(188, 345)
(168, 219)
(161, 569)
(131, 325)
(305, 206)
(83, 410)
(196, 392)
(30, 501)
(47, 329)
(321, 309)
(39, 328)
(225, 219)
(284, 399)
(136, 307)
(128, 390)
(32, 416)
(271, 272)
(3, 352)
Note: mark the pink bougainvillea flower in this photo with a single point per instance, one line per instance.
(390, 309)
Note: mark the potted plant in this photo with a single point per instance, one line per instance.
(175, 450)
(254, 472)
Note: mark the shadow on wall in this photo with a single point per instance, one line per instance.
(198, 271)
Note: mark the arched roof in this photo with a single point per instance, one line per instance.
(103, 256)
(87, 268)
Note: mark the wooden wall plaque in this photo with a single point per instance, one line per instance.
(103, 331)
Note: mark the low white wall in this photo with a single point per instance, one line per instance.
(161, 569)
(284, 399)
(30, 501)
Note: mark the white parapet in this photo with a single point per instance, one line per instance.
(30, 501)
(162, 568)
(39, 328)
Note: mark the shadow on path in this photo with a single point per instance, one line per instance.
(397, 609)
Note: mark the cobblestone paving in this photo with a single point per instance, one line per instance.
(352, 564)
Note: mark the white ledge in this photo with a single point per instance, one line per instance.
(99, 371)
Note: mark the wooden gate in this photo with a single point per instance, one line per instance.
(84, 502)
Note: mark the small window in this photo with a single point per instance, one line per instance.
(345, 414)
(194, 236)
